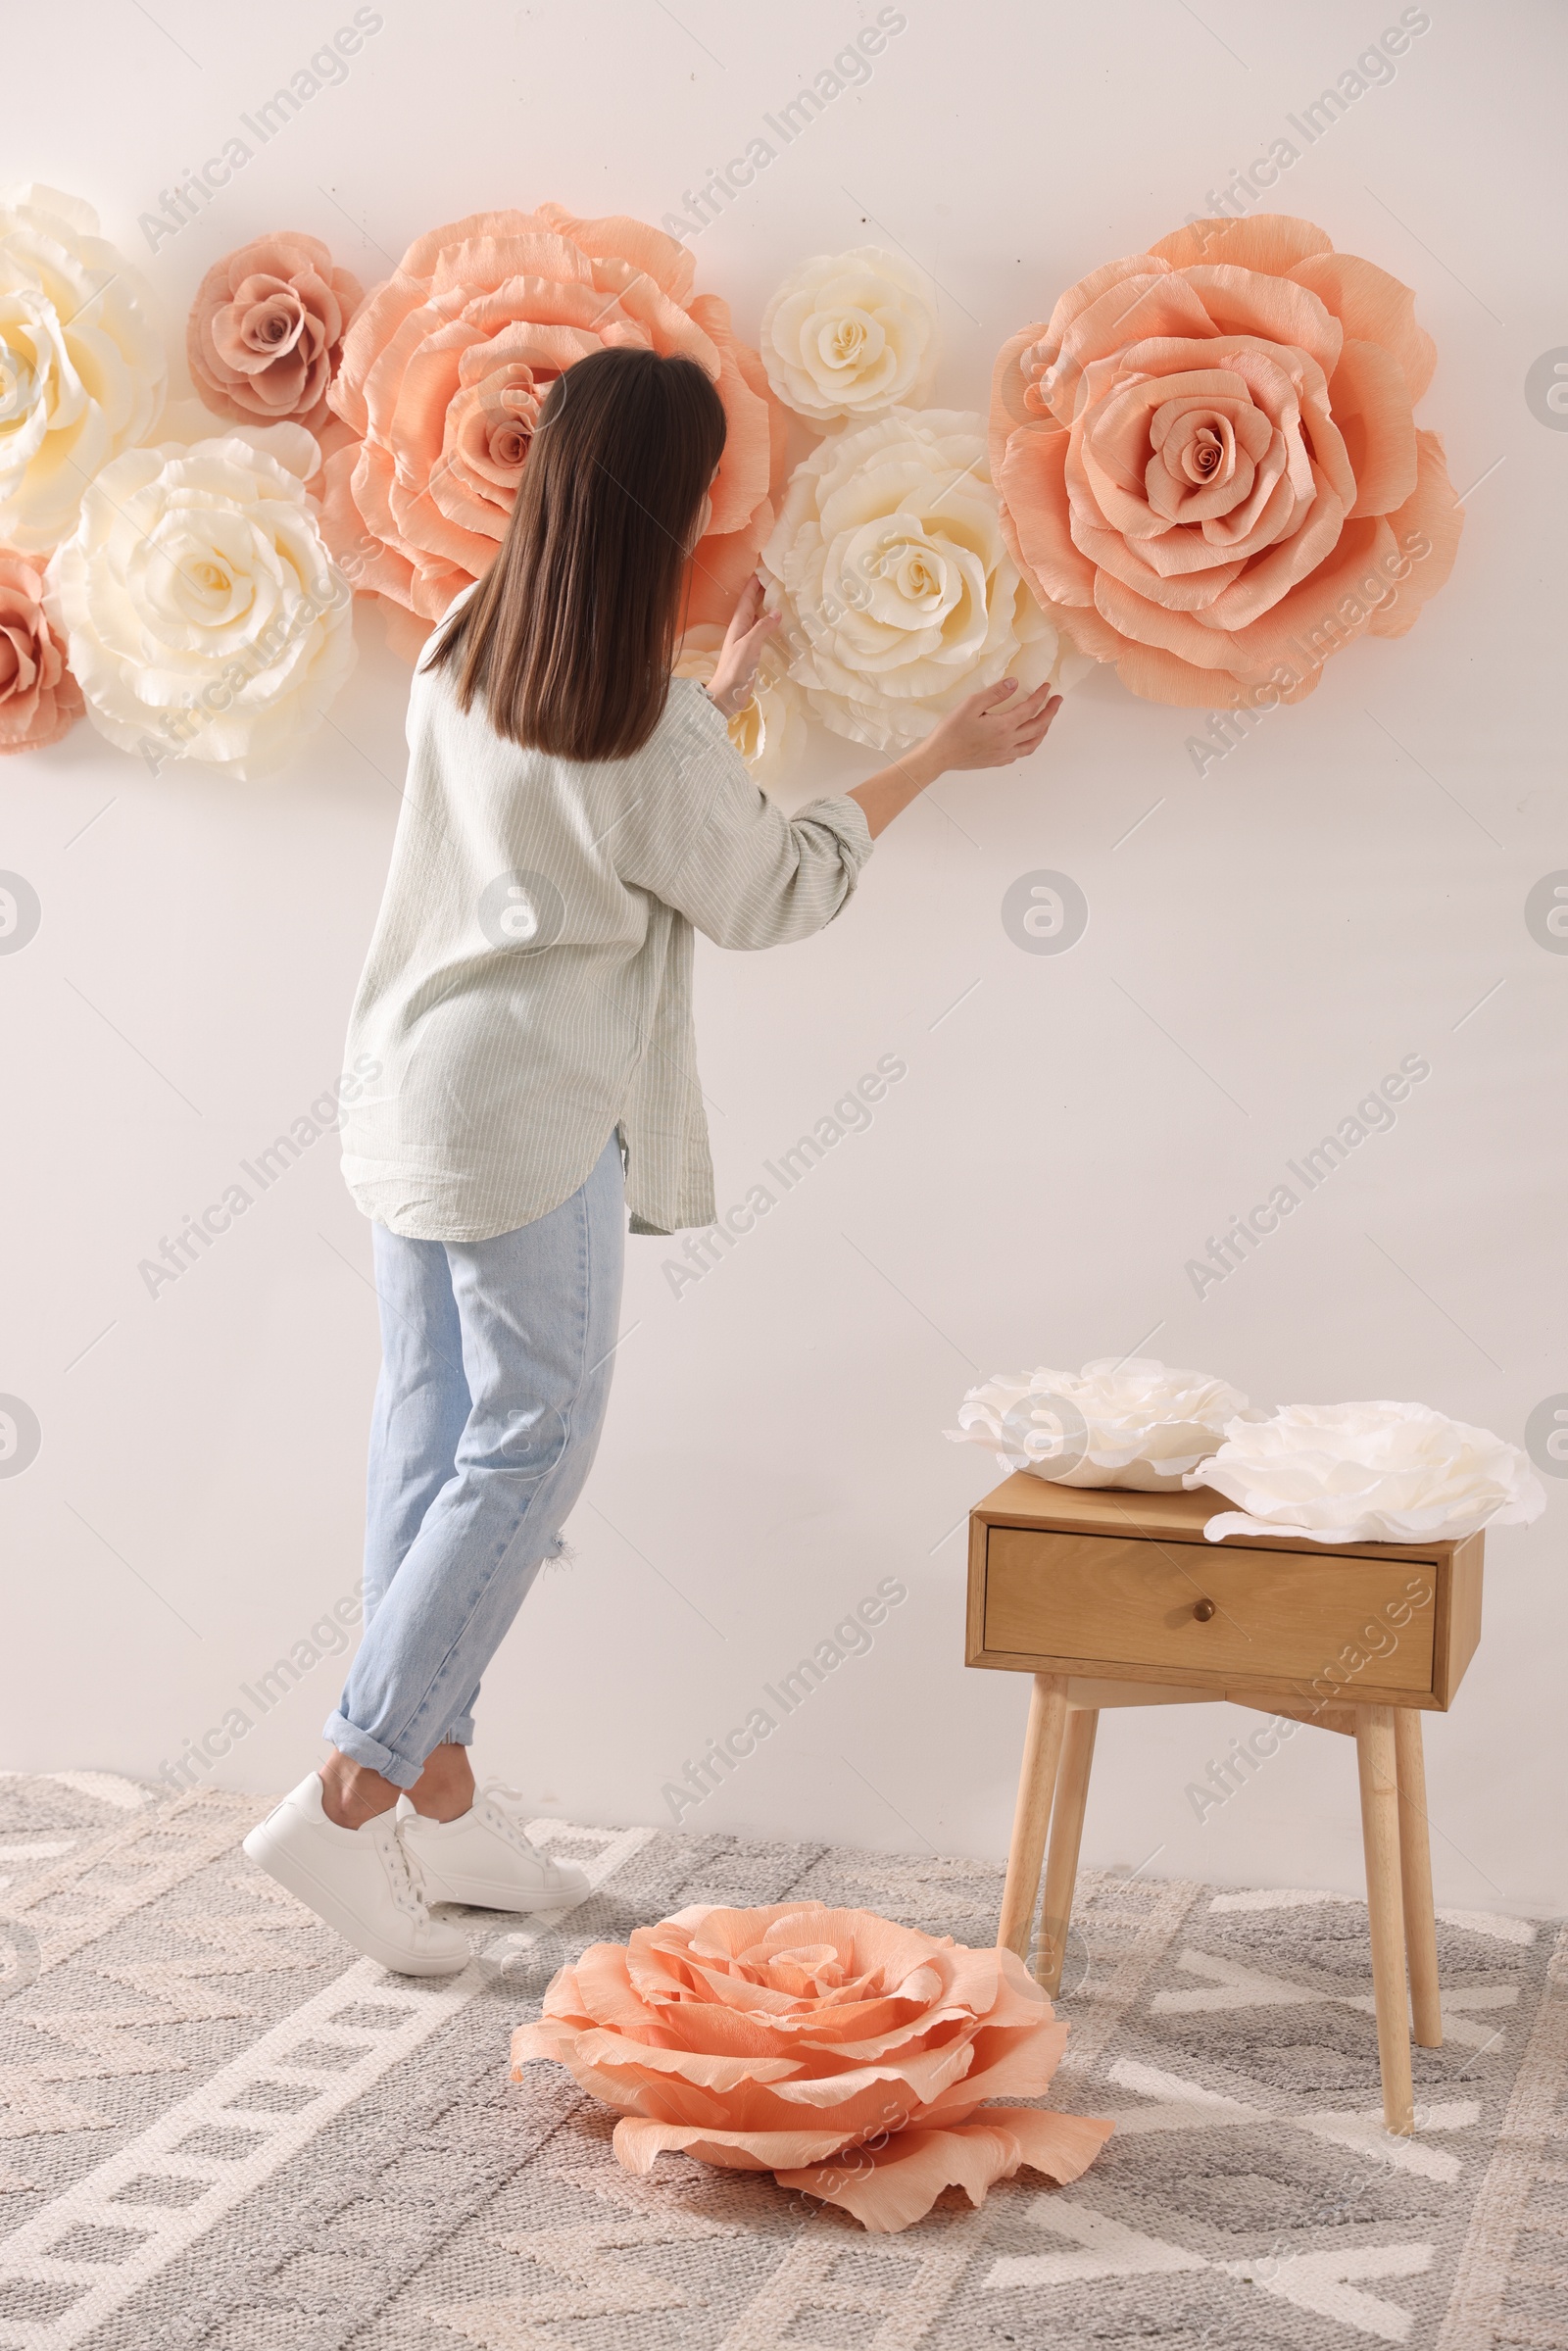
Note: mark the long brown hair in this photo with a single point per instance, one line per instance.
(570, 636)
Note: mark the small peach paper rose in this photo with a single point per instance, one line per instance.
(266, 330)
(848, 2055)
(1209, 465)
(445, 369)
(39, 698)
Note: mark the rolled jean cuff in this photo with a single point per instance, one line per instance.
(360, 1748)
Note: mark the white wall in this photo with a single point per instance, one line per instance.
(1336, 893)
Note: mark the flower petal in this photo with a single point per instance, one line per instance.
(1426, 530)
(1373, 308)
(890, 2187)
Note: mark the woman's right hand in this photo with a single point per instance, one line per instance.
(994, 727)
(990, 729)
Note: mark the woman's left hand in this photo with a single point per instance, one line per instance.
(735, 674)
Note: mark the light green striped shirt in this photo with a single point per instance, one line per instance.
(528, 989)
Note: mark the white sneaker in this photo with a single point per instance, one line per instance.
(360, 1881)
(484, 1859)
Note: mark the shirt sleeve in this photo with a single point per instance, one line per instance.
(746, 876)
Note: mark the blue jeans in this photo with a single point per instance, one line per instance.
(496, 1359)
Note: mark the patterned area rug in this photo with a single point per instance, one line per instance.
(219, 2131)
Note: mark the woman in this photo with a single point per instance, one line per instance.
(571, 813)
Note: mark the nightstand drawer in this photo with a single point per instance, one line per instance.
(1189, 1611)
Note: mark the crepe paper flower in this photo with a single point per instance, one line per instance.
(1367, 1473)
(1208, 461)
(898, 591)
(1121, 1421)
(848, 2055)
(770, 731)
(724, 561)
(81, 362)
(849, 334)
(204, 617)
(267, 327)
(39, 698)
(188, 421)
(446, 367)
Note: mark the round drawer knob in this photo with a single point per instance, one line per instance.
(1203, 1611)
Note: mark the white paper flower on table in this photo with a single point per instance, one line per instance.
(81, 362)
(1137, 1423)
(897, 592)
(202, 613)
(848, 334)
(1367, 1473)
(768, 733)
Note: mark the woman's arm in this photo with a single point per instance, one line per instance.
(991, 730)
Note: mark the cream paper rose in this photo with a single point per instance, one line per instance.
(898, 593)
(1137, 1423)
(770, 731)
(1367, 1473)
(848, 334)
(202, 613)
(81, 362)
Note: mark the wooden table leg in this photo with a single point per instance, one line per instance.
(1415, 1874)
(1036, 1780)
(1066, 1835)
(1380, 1834)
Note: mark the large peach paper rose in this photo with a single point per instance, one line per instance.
(266, 330)
(851, 2056)
(39, 698)
(446, 367)
(1209, 465)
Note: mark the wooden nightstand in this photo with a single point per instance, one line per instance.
(1112, 1598)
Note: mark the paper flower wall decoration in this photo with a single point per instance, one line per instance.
(266, 330)
(39, 698)
(1208, 461)
(768, 732)
(1367, 1473)
(81, 362)
(898, 591)
(203, 615)
(1129, 1422)
(848, 2055)
(849, 334)
(447, 364)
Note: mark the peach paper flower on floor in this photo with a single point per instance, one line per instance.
(266, 330)
(446, 367)
(39, 698)
(1209, 465)
(848, 2055)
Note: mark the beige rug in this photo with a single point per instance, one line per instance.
(220, 2129)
